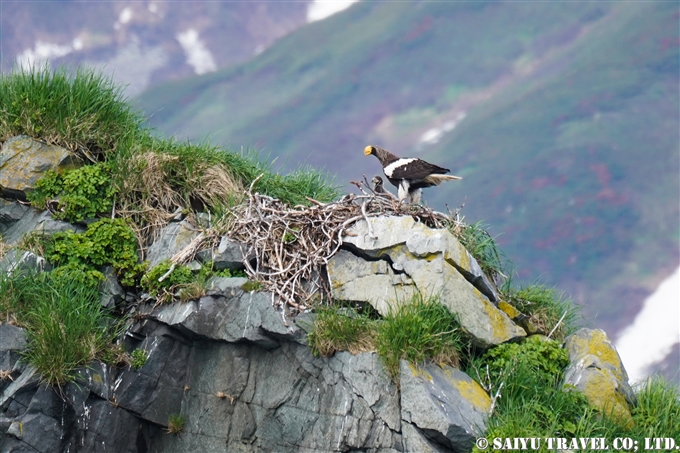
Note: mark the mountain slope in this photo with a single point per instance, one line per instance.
(562, 117)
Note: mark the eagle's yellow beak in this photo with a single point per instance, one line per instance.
(368, 150)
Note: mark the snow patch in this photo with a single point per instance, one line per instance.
(654, 332)
(435, 134)
(43, 51)
(123, 18)
(198, 56)
(321, 9)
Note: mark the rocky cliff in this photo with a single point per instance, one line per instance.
(232, 371)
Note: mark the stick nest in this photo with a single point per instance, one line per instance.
(288, 248)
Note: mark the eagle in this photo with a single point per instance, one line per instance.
(409, 174)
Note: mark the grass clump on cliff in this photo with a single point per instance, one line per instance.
(549, 311)
(85, 112)
(342, 329)
(64, 321)
(419, 331)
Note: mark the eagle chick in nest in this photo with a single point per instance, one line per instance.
(410, 175)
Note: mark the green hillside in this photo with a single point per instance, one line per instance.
(569, 145)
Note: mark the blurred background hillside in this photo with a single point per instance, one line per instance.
(562, 117)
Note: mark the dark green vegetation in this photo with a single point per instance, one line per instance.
(64, 320)
(138, 358)
(106, 242)
(181, 280)
(569, 146)
(83, 193)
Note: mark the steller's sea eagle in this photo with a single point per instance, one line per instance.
(410, 175)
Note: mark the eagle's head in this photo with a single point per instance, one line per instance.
(377, 180)
(369, 150)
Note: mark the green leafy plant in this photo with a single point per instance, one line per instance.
(106, 242)
(546, 358)
(179, 277)
(419, 331)
(82, 193)
(138, 358)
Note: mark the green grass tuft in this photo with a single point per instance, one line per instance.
(657, 413)
(176, 423)
(484, 249)
(342, 329)
(546, 308)
(420, 331)
(65, 323)
(85, 112)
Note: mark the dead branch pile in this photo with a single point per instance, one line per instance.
(292, 246)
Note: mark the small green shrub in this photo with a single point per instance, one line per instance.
(341, 329)
(180, 276)
(82, 193)
(106, 242)
(138, 358)
(175, 424)
(546, 358)
(420, 331)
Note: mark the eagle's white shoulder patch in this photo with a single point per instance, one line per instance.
(396, 164)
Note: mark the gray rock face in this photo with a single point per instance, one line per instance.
(172, 239)
(12, 343)
(32, 220)
(228, 255)
(286, 401)
(110, 291)
(445, 404)
(353, 278)
(10, 213)
(232, 315)
(24, 160)
(21, 260)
